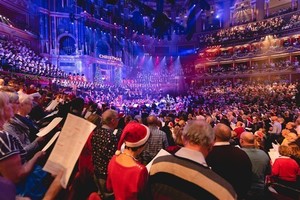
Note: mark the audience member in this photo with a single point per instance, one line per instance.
(157, 141)
(285, 169)
(124, 165)
(23, 128)
(104, 145)
(230, 162)
(261, 166)
(185, 174)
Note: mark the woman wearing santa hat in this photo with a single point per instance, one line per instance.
(127, 178)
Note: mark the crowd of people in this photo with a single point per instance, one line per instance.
(198, 130)
(210, 142)
(273, 66)
(251, 31)
(266, 46)
(17, 57)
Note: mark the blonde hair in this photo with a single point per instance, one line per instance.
(3, 101)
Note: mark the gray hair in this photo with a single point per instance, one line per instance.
(12, 94)
(25, 98)
(199, 132)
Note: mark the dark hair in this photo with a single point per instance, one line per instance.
(134, 149)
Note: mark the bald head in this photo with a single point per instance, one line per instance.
(223, 132)
(246, 139)
(151, 120)
(109, 116)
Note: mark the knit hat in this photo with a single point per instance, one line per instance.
(133, 135)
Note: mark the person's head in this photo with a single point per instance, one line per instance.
(239, 124)
(25, 105)
(198, 135)
(135, 136)
(181, 123)
(110, 118)
(285, 132)
(76, 106)
(152, 120)
(13, 97)
(2, 82)
(95, 119)
(274, 119)
(6, 111)
(292, 136)
(290, 125)
(247, 139)
(177, 135)
(284, 150)
(223, 132)
(295, 150)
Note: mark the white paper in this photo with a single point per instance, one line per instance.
(51, 141)
(52, 105)
(273, 155)
(49, 127)
(68, 147)
(51, 114)
(162, 152)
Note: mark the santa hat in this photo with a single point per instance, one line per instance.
(171, 124)
(133, 135)
(259, 134)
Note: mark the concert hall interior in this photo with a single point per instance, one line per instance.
(233, 62)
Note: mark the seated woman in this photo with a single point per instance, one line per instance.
(127, 178)
(23, 128)
(285, 170)
(13, 164)
(12, 155)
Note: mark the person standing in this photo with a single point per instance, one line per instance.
(261, 166)
(157, 141)
(124, 165)
(104, 145)
(230, 162)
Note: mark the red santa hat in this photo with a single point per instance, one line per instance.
(133, 135)
(259, 134)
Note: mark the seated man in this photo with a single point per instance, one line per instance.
(185, 174)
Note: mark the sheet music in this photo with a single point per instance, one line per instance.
(52, 105)
(162, 152)
(51, 141)
(68, 147)
(49, 127)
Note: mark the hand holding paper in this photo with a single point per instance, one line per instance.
(67, 149)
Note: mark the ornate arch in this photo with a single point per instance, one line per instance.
(66, 44)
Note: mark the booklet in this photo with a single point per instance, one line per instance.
(162, 152)
(51, 141)
(49, 127)
(68, 147)
(52, 105)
